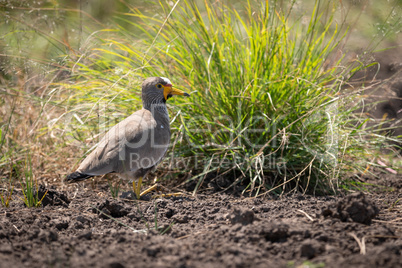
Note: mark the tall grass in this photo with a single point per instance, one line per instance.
(261, 84)
(267, 110)
(265, 91)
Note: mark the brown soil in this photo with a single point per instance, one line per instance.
(218, 230)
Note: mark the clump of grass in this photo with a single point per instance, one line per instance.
(264, 105)
(30, 188)
(6, 195)
(267, 107)
(114, 187)
(30, 191)
(6, 198)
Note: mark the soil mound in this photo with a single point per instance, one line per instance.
(52, 197)
(115, 209)
(355, 207)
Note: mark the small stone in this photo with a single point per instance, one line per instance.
(86, 235)
(181, 218)
(307, 250)
(116, 265)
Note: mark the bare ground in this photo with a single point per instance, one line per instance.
(217, 230)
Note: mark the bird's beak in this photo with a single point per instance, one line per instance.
(168, 91)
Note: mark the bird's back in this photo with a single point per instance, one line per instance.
(138, 142)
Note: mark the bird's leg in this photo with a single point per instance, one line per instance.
(150, 189)
(157, 187)
(137, 189)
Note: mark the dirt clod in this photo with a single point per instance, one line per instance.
(60, 224)
(309, 249)
(242, 216)
(85, 235)
(47, 236)
(113, 208)
(181, 218)
(116, 265)
(275, 231)
(52, 197)
(355, 207)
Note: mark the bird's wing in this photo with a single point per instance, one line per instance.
(128, 146)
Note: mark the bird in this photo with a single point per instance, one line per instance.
(136, 145)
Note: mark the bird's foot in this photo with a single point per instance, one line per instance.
(154, 188)
(159, 188)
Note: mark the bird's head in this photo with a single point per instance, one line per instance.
(159, 89)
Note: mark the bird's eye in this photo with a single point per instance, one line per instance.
(159, 86)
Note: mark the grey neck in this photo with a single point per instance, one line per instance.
(158, 109)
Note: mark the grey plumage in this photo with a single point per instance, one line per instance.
(138, 143)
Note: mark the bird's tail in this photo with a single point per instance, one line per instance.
(77, 176)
